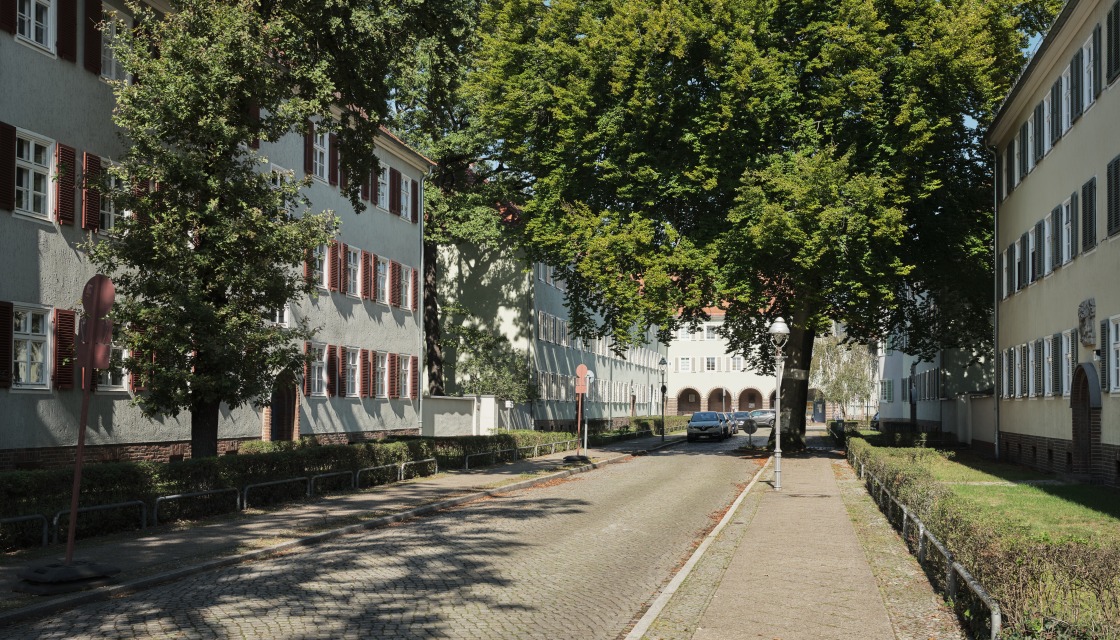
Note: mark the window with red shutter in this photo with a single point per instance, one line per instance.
(66, 166)
(342, 366)
(91, 51)
(415, 213)
(306, 369)
(332, 371)
(363, 363)
(414, 377)
(64, 328)
(8, 163)
(7, 330)
(333, 258)
(91, 195)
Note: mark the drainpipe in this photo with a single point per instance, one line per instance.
(995, 290)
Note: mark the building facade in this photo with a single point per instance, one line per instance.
(525, 303)
(55, 131)
(1057, 223)
(705, 376)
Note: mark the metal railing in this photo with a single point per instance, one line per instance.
(196, 494)
(102, 507)
(887, 502)
(245, 491)
(37, 516)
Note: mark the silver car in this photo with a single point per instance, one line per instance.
(707, 424)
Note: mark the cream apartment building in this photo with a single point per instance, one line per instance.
(1057, 227)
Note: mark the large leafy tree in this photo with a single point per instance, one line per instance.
(813, 160)
(212, 245)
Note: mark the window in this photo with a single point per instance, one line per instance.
(383, 188)
(404, 371)
(406, 288)
(1067, 232)
(278, 317)
(709, 364)
(406, 202)
(319, 266)
(381, 375)
(34, 22)
(1065, 100)
(383, 280)
(29, 342)
(710, 332)
(1111, 353)
(33, 167)
(109, 214)
(318, 370)
(319, 154)
(1067, 361)
(353, 268)
(1048, 366)
(353, 372)
(114, 27)
(686, 365)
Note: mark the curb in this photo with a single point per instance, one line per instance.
(670, 590)
(133, 586)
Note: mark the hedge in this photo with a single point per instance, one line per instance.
(49, 491)
(1047, 588)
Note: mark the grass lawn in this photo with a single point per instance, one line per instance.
(1056, 511)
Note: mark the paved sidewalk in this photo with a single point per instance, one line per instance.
(147, 558)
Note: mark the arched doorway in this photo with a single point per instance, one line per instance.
(719, 400)
(282, 409)
(1085, 406)
(750, 399)
(688, 401)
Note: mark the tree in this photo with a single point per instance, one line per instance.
(815, 160)
(212, 247)
(843, 372)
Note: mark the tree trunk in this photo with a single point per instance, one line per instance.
(433, 356)
(204, 428)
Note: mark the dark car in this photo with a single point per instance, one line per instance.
(707, 424)
(763, 418)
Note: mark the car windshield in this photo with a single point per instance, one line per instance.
(705, 415)
(742, 414)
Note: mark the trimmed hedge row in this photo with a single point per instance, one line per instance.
(1047, 588)
(48, 491)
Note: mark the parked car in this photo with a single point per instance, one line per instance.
(707, 424)
(763, 418)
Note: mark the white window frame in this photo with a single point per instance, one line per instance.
(25, 24)
(1088, 92)
(320, 266)
(1067, 361)
(381, 375)
(1067, 231)
(406, 198)
(1048, 366)
(318, 370)
(353, 271)
(686, 365)
(1046, 116)
(320, 154)
(405, 375)
(34, 170)
(353, 371)
(115, 24)
(383, 188)
(1066, 104)
(1112, 351)
(406, 287)
(22, 333)
(382, 280)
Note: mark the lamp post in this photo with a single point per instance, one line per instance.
(779, 333)
(663, 365)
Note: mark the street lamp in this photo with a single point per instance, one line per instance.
(663, 365)
(779, 333)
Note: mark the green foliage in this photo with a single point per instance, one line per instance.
(1047, 586)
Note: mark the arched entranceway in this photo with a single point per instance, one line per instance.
(282, 409)
(750, 399)
(719, 400)
(1085, 405)
(688, 401)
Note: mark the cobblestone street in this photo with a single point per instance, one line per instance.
(578, 558)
